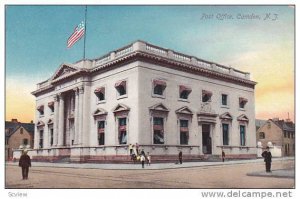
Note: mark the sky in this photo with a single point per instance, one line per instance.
(36, 36)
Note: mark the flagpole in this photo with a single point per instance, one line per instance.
(85, 19)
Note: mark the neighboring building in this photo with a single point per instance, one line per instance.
(17, 135)
(279, 134)
(259, 123)
(164, 100)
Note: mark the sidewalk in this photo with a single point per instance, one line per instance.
(155, 166)
(281, 173)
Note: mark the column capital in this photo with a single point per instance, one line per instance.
(76, 90)
(55, 97)
(60, 96)
(81, 90)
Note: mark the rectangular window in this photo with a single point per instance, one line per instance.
(242, 102)
(41, 139)
(184, 131)
(224, 100)
(206, 96)
(100, 93)
(184, 95)
(285, 134)
(225, 134)
(184, 92)
(159, 87)
(289, 135)
(261, 135)
(158, 130)
(41, 110)
(51, 137)
(122, 130)
(101, 132)
(121, 87)
(25, 142)
(51, 106)
(242, 135)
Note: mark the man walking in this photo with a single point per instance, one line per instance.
(180, 157)
(25, 163)
(268, 159)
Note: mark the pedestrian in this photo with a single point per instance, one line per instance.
(143, 152)
(223, 155)
(143, 160)
(148, 159)
(180, 157)
(268, 159)
(25, 163)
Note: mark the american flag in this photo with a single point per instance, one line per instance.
(76, 35)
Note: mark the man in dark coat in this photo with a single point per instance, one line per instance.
(223, 155)
(268, 159)
(180, 157)
(25, 163)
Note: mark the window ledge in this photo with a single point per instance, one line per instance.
(158, 96)
(101, 102)
(122, 97)
(225, 106)
(183, 100)
(242, 109)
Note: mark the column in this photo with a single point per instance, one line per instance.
(55, 121)
(45, 136)
(61, 121)
(36, 138)
(80, 115)
(76, 114)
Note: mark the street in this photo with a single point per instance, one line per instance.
(216, 176)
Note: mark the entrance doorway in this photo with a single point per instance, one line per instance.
(206, 139)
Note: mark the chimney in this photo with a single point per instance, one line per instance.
(31, 121)
(14, 120)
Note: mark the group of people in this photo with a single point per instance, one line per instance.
(137, 155)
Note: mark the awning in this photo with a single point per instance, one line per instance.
(100, 90)
(120, 83)
(41, 107)
(184, 129)
(158, 127)
(184, 88)
(159, 82)
(243, 100)
(205, 92)
(50, 104)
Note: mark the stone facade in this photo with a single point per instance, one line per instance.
(163, 100)
(279, 134)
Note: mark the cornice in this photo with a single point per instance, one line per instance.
(138, 55)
